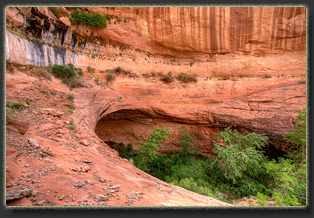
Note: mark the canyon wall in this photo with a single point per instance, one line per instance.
(209, 30)
(176, 31)
(250, 64)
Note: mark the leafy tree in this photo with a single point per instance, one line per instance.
(288, 182)
(148, 148)
(187, 144)
(297, 139)
(240, 158)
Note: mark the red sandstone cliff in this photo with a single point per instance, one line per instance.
(208, 30)
(251, 70)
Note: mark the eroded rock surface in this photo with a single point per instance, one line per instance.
(251, 70)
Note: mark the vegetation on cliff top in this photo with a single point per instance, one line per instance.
(93, 20)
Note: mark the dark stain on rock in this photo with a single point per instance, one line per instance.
(60, 31)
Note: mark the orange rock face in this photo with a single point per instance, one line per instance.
(250, 66)
(208, 30)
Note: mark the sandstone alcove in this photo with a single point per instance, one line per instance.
(133, 126)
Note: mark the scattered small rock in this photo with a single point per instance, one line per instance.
(62, 197)
(14, 195)
(69, 205)
(89, 182)
(98, 178)
(80, 169)
(79, 185)
(33, 142)
(100, 198)
(131, 198)
(85, 142)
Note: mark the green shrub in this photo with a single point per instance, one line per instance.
(297, 139)
(70, 97)
(96, 80)
(288, 182)
(110, 77)
(187, 144)
(79, 71)
(192, 185)
(166, 78)
(239, 155)
(148, 148)
(68, 74)
(186, 78)
(126, 151)
(192, 169)
(27, 102)
(18, 106)
(63, 72)
(261, 199)
(90, 69)
(72, 124)
(72, 107)
(68, 111)
(93, 20)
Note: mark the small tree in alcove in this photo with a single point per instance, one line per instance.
(148, 148)
(243, 160)
(240, 155)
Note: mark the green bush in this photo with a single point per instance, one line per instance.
(288, 182)
(70, 97)
(72, 107)
(18, 106)
(72, 124)
(63, 72)
(297, 139)
(186, 78)
(68, 74)
(192, 169)
(239, 155)
(187, 144)
(110, 77)
(148, 148)
(126, 151)
(90, 69)
(192, 185)
(79, 71)
(166, 78)
(93, 20)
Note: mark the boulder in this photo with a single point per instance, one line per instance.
(17, 126)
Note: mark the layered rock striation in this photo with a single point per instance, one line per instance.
(210, 30)
(250, 63)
